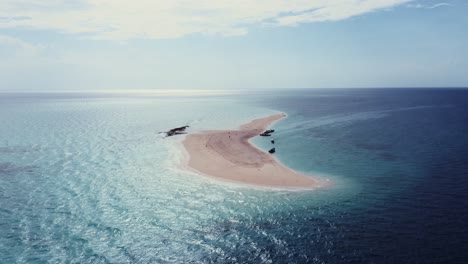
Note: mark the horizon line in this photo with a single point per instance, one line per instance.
(211, 90)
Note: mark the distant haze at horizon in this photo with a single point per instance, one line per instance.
(89, 45)
(85, 93)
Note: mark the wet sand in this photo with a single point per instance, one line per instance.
(228, 155)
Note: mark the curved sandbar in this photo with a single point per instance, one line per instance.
(228, 155)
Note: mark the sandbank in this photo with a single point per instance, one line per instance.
(228, 155)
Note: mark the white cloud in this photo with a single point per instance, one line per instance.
(418, 5)
(439, 5)
(125, 19)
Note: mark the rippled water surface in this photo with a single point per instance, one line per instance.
(87, 179)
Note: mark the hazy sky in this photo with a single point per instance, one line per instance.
(232, 44)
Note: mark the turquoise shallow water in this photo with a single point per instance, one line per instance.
(87, 179)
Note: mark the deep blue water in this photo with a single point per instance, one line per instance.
(408, 152)
(85, 179)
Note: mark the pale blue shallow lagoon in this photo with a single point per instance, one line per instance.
(86, 178)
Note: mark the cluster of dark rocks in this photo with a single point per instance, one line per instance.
(176, 131)
(268, 133)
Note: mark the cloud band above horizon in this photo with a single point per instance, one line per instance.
(159, 19)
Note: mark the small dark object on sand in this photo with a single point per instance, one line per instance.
(175, 131)
(267, 133)
(272, 141)
(272, 150)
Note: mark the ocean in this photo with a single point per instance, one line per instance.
(87, 178)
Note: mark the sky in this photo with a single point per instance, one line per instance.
(49, 45)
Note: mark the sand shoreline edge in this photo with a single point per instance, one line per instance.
(228, 155)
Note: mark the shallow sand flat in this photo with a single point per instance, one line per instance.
(228, 155)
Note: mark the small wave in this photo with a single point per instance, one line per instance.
(343, 119)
